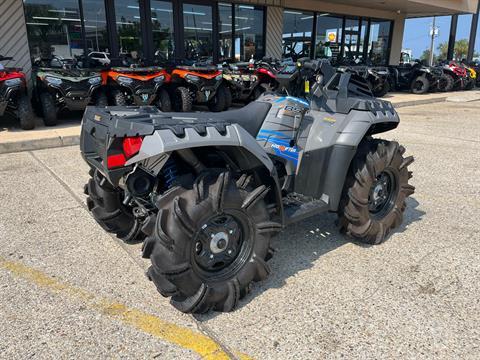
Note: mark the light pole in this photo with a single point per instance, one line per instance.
(433, 33)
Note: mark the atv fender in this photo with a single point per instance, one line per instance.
(166, 141)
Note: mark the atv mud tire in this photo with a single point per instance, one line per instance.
(105, 204)
(420, 85)
(380, 91)
(101, 100)
(182, 99)
(228, 98)
(25, 113)
(209, 243)
(49, 110)
(119, 98)
(218, 102)
(450, 84)
(163, 101)
(442, 83)
(375, 190)
(257, 92)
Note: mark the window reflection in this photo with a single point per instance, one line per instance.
(329, 36)
(225, 28)
(53, 28)
(249, 36)
(127, 14)
(379, 41)
(297, 33)
(162, 27)
(198, 31)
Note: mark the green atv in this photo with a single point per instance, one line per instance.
(60, 86)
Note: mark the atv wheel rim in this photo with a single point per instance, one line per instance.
(419, 85)
(218, 243)
(383, 193)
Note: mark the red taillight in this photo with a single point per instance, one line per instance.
(114, 161)
(132, 145)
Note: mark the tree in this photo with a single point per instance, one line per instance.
(460, 50)
(426, 56)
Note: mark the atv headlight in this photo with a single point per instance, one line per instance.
(193, 78)
(219, 77)
(159, 79)
(13, 82)
(125, 80)
(53, 80)
(95, 80)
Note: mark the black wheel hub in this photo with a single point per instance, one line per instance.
(383, 192)
(218, 243)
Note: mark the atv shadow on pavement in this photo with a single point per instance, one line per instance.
(302, 244)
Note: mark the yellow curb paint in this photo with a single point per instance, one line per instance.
(204, 346)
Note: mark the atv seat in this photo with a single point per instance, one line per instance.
(250, 117)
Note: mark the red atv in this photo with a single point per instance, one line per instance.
(14, 98)
(456, 76)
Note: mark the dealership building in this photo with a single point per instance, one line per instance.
(188, 30)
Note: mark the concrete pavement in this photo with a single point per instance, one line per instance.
(70, 290)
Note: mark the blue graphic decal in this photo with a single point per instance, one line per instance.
(280, 144)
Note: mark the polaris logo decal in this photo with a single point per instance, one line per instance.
(283, 148)
(145, 97)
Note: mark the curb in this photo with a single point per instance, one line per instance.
(420, 102)
(38, 144)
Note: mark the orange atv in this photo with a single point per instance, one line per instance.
(138, 86)
(201, 85)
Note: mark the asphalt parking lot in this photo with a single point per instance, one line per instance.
(68, 289)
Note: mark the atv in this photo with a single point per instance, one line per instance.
(206, 191)
(415, 77)
(138, 86)
(14, 98)
(456, 75)
(377, 77)
(62, 86)
(248, 81)
(201, 84)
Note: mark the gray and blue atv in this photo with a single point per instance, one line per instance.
(205, 192)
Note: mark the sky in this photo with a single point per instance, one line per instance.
(417, 33)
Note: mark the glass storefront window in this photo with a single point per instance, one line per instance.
(379, 41)
(462, 37)
(198, 31)
(249, 35)
(476, 53)
(95, 26)
(225, 28)
(297, 34)
(162, 27)
(329, 36)
(53, 28)
(352, 42)
(127, 14)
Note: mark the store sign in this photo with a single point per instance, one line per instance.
(332, 36)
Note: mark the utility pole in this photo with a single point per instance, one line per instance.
(433, 32)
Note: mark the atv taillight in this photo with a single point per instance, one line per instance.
(115, 161)
(132, 145)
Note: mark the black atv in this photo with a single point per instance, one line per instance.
(207, 191)
(416, 77)
(377, 77)
(14, 99)
(295, 78)
(62, 86)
